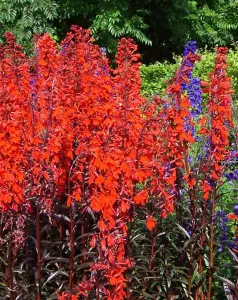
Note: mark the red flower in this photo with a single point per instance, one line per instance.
(150, 223)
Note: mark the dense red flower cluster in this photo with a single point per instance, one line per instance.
(74, 130)
(217, 128)
(220, 111)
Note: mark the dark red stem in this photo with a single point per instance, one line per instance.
(72, 249)
(38, 241)
(10, 271)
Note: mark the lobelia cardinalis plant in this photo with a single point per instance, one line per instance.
(85, 158)
(197, 175)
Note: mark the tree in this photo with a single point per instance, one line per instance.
(166, 25)
(25, 18)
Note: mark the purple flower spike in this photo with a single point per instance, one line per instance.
(236, 210)
(193, 87)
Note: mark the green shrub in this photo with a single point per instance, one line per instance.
(154, 76)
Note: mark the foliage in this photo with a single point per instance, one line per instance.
(115, 24)
(109, 20)
(155, 76)
(107, 194)
(25, 18)
(214, 22)
(167, 25)
(173, 23)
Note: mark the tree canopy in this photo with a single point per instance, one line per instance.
(164, 24)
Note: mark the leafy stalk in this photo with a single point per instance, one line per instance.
(72, 248)
(211, 246)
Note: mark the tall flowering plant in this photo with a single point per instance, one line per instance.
(199, 148)
(85, 160)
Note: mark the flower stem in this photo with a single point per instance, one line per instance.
(211, 246)
(38, 241)
(72, 249)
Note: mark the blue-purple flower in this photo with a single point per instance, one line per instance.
(233, 175)
(193, 87)
(236, 209)
(221, 220)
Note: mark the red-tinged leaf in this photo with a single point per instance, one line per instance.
(215, 139)
(86, 121)
(108, 182)
(178, 120)
(232, 216)
(43, 62)
(37, 141)
(70, 154)
(112, 223)
(144, 159)
(185, 103)
(107, 212)
(191, 182)
(189, 138)
(46, 175)
(124, 229)
(103, 244)
(132, 154)
(121, 255)
(7, 198)
(102, 225)
(202, 121)
(110, 240)
(95, 205)
(93, 241)
(20, 177)
(206, 187)
(113, 280)
(77, 195)
(206, 195)
(99, 180)
(204, 83)
(169, 207)
(69, 201)
(57, 112)
(183, 136)
(124, 206)
(35, 155)
(214, 175)
(141, 198)
(185, 113)
(111, 257)
(9, 176)
(150, 223)
(218, 168)
(141, 176)
(39, 126)
(15, 206)
(163, 214)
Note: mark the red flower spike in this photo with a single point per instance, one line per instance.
(74, 130)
